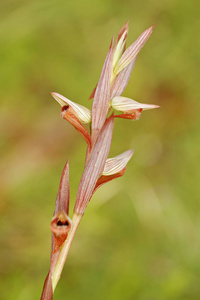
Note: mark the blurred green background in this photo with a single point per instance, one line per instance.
(140, 235)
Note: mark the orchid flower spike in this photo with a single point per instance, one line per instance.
(98, 169)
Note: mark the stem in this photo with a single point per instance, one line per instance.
(65, 250)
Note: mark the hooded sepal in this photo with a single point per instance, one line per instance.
(114, 168)
(131, 108)
(116, 164)
(82, 113)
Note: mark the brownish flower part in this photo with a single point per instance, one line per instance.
(60, 227)
(94, 166)
(101, 100)
(103, 179)
(68, 114)
(131, 116)
(47, 293)
(61, 223)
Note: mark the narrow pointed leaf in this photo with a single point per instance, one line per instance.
(133, 50)
(128, 105)
(62, 200)
(94, 167)
(121, 80)
(68, 114)
(116, 164)
(104, 179)
(81, 112)
(102, 95)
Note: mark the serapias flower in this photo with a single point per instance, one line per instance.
(131, 108)
(75, 114)
(81, 112)
(114, 167)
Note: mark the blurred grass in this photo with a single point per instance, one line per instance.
(140, 236)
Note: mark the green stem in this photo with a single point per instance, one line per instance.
(65, 250)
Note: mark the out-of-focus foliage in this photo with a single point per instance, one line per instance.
(140, 235)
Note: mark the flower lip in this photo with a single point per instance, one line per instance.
(81, 112)
(61, 223)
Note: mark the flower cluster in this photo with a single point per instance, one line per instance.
(99, 169)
